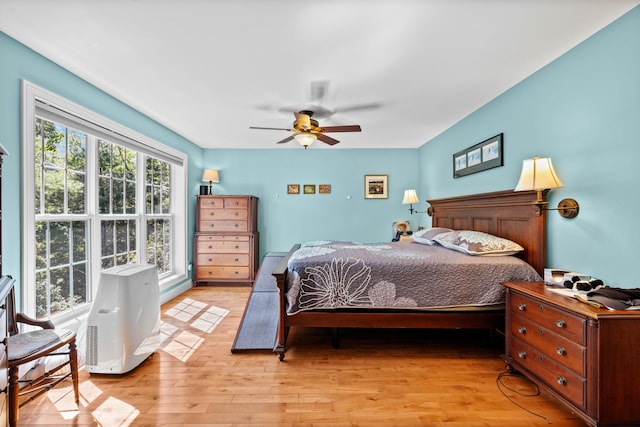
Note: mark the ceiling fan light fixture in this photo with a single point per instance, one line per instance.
(305, 139)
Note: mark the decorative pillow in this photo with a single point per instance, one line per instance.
(426, 236)
(477, 243)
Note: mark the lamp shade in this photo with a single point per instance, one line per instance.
(210, 175)
(538, 174)
(305, 139)
(410, 197)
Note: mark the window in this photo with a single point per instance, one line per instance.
(61, 231)
(103, 196)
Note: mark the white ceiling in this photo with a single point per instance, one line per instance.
(209, 69)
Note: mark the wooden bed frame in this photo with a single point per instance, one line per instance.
(507, 214)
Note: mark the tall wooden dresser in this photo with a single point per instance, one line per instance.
(227, 239)
(587, 357)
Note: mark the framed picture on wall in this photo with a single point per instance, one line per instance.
(376, 187)
(309, 189)
(482, 156)
(293, 189)
(324, 188)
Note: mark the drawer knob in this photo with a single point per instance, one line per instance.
(561, 351)
(522, 355)
(210, 260)
(522, 307)
(237, 246)
(541, 307)
(522, 330)
(235, 225)
(541, 331)
(561, 324)
(236, 260)
(210, 247)
(562, 380)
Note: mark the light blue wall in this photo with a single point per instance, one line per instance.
(344, 214)
(18, 63)
(582, 110)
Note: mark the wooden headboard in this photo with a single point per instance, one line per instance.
(507, 214)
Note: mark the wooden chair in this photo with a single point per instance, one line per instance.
(26, 347)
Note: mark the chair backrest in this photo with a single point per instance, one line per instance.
(12, 322)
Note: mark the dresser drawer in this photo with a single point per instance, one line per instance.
(200, 238)
(559, 348)
(556, 376)
(549, 317)
(223, 214)
(210, 202)
(223, 247)
(222, 273)
(213, 226)
(212, 260)
(236, 202)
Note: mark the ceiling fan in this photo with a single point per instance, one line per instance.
(318, 94)
(306, 130)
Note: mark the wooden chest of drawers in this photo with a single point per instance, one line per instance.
(226, 241)
(587, 357)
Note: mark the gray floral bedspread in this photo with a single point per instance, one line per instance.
(332, 274)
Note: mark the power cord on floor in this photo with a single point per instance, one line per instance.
(502, 386)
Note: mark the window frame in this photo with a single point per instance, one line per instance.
(32, 96)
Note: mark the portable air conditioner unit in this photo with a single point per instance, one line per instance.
(123, 327)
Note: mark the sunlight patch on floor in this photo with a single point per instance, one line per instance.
(183, 346)
(201, 316)
(115, 412)
(208, 321)
(64, 401)
(186, 309)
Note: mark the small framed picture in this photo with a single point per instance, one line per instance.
(293, 189)
(376, 186)
(324, 188)
(309, 189)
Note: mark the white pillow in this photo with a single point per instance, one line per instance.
(426, 235)
(477, 243)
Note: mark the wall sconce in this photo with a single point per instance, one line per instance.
(538, 174)
(410, 197)
(211, 176)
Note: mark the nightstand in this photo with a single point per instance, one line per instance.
(586, 357)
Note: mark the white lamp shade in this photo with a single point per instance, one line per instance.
(410, 197)
(305, 139)
(210, 175)
(538, 174)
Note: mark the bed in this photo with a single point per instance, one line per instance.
(390, 300)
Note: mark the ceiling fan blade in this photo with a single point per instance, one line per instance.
(257, 127)
(327, 139)
(287, 139)
(356, 107)
(348, 128)
(319, 89)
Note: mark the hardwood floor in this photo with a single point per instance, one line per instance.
(382, 377)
